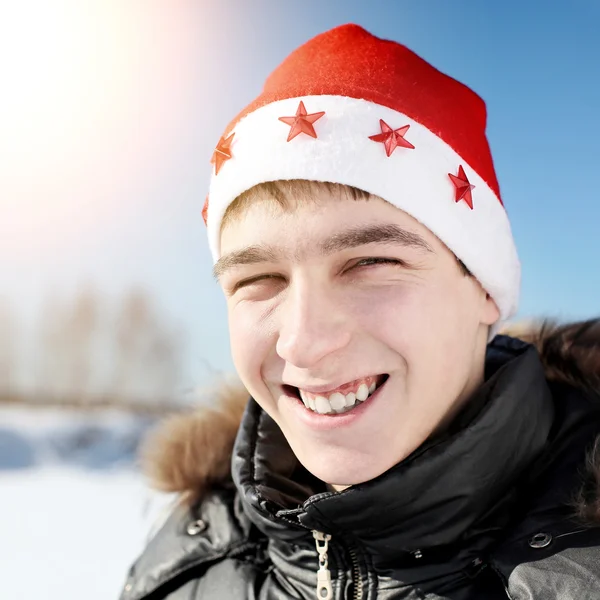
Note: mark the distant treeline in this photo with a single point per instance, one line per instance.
(92, 353)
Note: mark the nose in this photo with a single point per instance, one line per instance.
(312, 325)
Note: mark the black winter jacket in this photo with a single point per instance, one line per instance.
(504, 504)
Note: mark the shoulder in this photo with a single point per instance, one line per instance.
(570, 355)
(206, 546)
(189, 453)
(554, 552)
(557, 561)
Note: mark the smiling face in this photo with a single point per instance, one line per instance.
(333, 301)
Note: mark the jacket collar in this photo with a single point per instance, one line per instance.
(460, 486)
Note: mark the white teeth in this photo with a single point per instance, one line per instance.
(304, 399)
(363, 392)
(337, 401)
(322, 405)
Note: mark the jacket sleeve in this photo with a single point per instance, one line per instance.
(563, 565)
(209, 552)
(229, 579)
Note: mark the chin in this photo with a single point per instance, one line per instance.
(340, 467)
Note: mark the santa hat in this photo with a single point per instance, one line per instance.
(350, 108)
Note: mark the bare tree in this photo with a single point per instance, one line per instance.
(50, 351)
(8, 351)
(133, 321)
(162, 364)
(66, 338)
(80, 330)
(147, 353)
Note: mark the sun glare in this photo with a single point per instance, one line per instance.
(57, 59)
(87, 89)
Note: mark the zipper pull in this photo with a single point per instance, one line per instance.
(324, 588)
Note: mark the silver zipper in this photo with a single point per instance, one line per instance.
(324, 588)
(356, 580)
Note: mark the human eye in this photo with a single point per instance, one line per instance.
(254, 282)
(377, 260)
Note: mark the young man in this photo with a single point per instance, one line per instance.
(393, 445)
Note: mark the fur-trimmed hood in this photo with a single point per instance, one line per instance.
(190, 453)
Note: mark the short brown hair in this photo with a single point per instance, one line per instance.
(289, 192)
(298, 192)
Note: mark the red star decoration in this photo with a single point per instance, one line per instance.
(392, 138)
(222, 153)
(463, 187)
(205, 211)
(302, 122)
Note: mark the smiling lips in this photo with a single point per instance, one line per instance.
(343, 398)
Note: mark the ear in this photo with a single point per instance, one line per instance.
(490, 313)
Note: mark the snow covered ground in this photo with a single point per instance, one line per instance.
(74, 510)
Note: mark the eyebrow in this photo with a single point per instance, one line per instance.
(352, 238)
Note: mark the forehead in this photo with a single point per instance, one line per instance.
(312, 213)
(269, 233)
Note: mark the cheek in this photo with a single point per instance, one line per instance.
(394, 315)
(252, 341)
(440, 333)
(440, 309)
(432, 327)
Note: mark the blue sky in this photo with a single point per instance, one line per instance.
(119, 204)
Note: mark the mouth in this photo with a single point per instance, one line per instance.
(342, 400)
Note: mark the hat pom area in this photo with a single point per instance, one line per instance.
(350, 108)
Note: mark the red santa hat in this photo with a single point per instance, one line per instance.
(350, 108)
